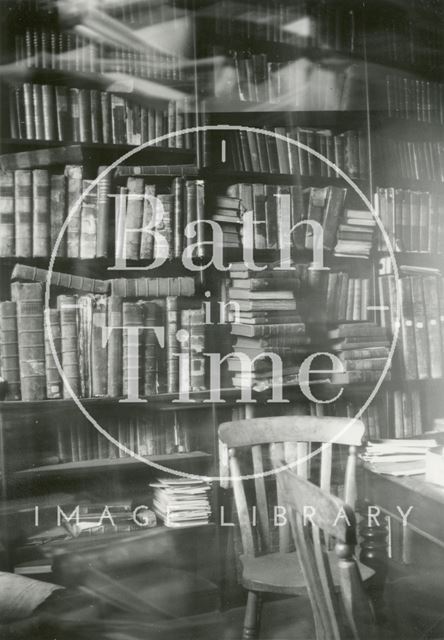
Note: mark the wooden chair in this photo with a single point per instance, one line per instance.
(260, 445)
(318, 517)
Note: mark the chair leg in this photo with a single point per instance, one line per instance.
(252, 616)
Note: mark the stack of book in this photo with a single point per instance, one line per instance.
(398, 457)
(266, 323)
(44, 112)
(363, 348)
(413, 220)
(355, 234)
(181, 502)
(85, 333)
(226, 211)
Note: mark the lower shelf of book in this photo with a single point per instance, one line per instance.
(109, 464)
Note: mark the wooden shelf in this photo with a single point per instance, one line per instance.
(217, 174)
(43, 153)
(108, 464)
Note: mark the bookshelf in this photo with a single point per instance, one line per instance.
(372, 103)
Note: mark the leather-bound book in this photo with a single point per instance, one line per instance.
(74, 174)
(9, 353)
(7, 205)
(99, 359)
(114, 377)
(40, 213)
(148, 224)
(23, 213)
(132, 316)
(172, 362)
(150, 349)
(29, 299)
(178, 215)
(134, 217)
(69, 333)
(88, 221)
(103, 213)
(57, 212)
(54, 384)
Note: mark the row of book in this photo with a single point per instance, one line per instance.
(67, 114)
(251, 151)
(97, 358)
(411, 160)
(278, 22)
(259, 78)
(363, 348)
(389, 34)
(421, 336)
(67, 51)
(413, 220)
(181, 502)
(35, 204)
(155, 222)
(145, 435)
(345, 298)
(413, 99)
(34, 207)
(398, 457)
(275, 211)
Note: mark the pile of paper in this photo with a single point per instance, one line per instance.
(403, 457)
(181, 502)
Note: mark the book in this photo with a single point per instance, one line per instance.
(23, 213)
(172, 326)
(67, 306)
(29, 301)
(57, 211)
(115, 346)
(88, 221)
(134, 217)
(24, 272)
(40, 218)
(9, 349)
(99, 356)
(7, 213)
(74, 178)
(132, 316)
(53, 344)
(103, 213)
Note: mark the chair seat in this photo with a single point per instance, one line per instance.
(282, 573)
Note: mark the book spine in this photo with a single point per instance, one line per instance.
(132, 316)
(103, 213)
(408, 330)
(84, 116)
(431, 305)
(172, 320)
(28, 102)
(115, 353)
(99, 352)
(54, 385)
(185, 353)
(74, 175)
(134, 217)
(88, 221)
(178, 215)
(40, 217)
(9, 349)
(63, 117)
(421, 337)
(29, 299)
(197, 348)
(7, 206)
(37, 98)
(67, 306)
(49, 112)
(65, 280)
(150, 350)
(148, 223)
(57, 213)
(23, 213)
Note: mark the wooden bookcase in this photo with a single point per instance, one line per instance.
(365, 44)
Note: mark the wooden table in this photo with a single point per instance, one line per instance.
(384, 537)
